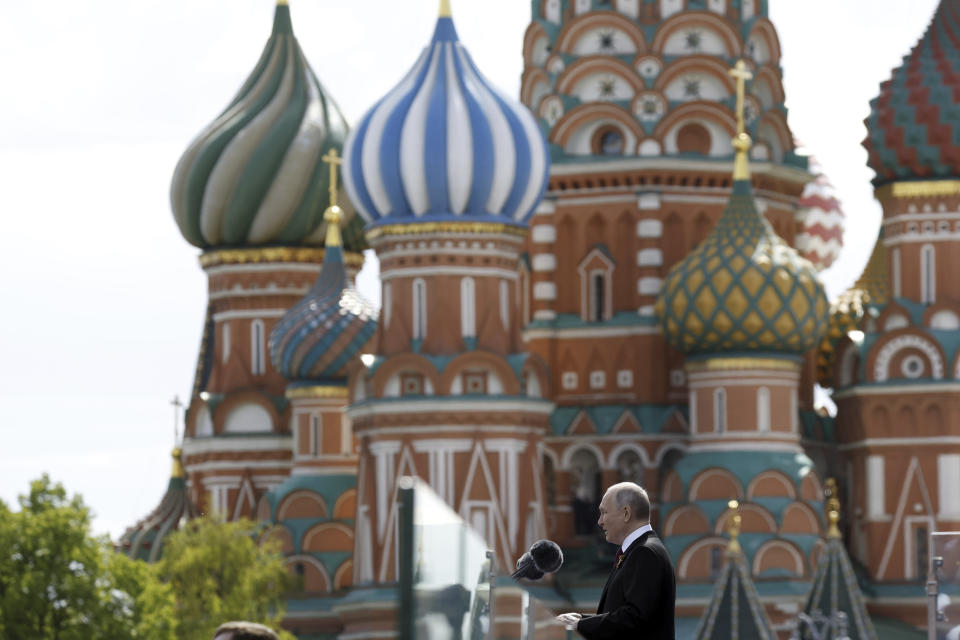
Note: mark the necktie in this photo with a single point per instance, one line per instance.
(616, 561)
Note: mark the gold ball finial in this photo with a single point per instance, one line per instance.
(733, 527)
(334, 214)
(741, 142)
(445, 9)
(833, 508)
(177, 470)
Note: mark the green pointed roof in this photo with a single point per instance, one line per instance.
(735, 612)
(835, 587)
(144, 540)
(254, 176)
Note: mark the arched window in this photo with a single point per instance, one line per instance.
(720, 411)
(258, 365)
(468, 308)
(608, 141)
(928, 276)
(763, 409)
(419, 309)
(630, 467)
(693, 138)
(895, 260)
(225, 336)
(598, 287)
(505, 303)
(585, 483)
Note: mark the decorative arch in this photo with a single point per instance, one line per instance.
(404, 362)
(695, 559)
(536, 369)
(779, 554)
(566, 458)
(665, 449)
(686, 520)
(314, 574)
(763, 28)
(346, 505)
(811, 487)
(753, 519)
(534, 33)
(671, 489)
(702, 19)
(715, 484)
(343, 577)
(799, 518)
(302, 503)
(533, 79)
(327, 536)
(280, 534)
(717, 118)
(847, 363)
(693, 64)
(942, 316)
(226, 411)
(627, 446)
(571, 34)
(884, 351)
(774, 124)
(585, 67)
(768, 77)
(483, 360)
(771, 484)
(586, 118)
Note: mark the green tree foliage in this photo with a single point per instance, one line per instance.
(219, 573)
(59, 581)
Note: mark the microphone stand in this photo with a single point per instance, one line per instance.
(492, 577)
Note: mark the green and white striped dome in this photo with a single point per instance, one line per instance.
(255, 176)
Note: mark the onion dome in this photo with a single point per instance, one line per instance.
(743, 288)
(734, 610)
(835, 589)
(914, 124)
(144, 540)
(848, 309)
(254, 175)
(446, 145)
(821, 219)
(319, 335)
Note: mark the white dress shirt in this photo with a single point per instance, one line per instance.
(633, 536)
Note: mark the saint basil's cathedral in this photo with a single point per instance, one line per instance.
(613, 278)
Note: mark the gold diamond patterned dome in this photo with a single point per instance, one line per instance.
(742, 289)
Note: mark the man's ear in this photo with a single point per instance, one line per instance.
(626, 514)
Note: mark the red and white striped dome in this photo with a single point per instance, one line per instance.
(821, 221)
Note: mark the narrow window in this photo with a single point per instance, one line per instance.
(419, 309)
(598, 292)
(505, 304)
(225, 336)
(257, 362)
(720, 410)
(468, 310)
(314, 434)
(387, 298)
(763, 409)
(895, 259)
(928, 275)
(923, 554)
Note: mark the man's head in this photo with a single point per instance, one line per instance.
(243, 631)
(624, 509)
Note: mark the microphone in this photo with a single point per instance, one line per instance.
(543, 557)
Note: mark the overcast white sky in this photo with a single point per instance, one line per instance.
(104, 300)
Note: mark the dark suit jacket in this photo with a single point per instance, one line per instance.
(638, 599)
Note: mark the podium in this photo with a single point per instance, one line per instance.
(450, 586)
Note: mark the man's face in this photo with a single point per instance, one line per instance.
(613, 520)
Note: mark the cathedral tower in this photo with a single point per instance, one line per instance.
(248, 192)
(447, 171)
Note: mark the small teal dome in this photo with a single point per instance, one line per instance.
(445, 145)
(319, 335)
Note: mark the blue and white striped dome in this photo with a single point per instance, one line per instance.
(444, 144)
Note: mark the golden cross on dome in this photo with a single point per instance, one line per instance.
(177, 405)
(734, 527)
(741, 142)
(334, 160)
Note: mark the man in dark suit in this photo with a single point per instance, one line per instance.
(638, 599)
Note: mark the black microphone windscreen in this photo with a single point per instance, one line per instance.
(527, 568)
(546, 555)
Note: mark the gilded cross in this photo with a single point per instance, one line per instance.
(334, 160)
(177, 405)
(741, 75)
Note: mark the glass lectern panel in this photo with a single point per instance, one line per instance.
(449, 583)
(943, 585)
